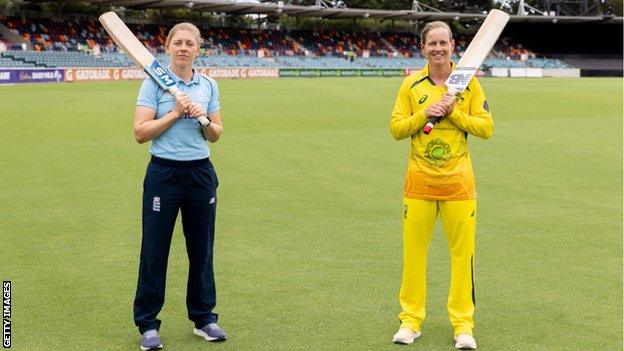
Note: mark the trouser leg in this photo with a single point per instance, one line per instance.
(459, 220)
(419, 217)
(198, 221)
(160, 208)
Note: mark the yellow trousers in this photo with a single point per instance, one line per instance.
(459, 221)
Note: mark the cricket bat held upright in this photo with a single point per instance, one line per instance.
(475, 54)
(124, 38)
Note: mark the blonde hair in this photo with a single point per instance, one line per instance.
(434, 25)
(184, 26)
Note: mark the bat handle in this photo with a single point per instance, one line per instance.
(203, 120)
(433, 120)
(430, 123)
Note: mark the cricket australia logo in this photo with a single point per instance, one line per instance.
(438, 152)
(156, 204)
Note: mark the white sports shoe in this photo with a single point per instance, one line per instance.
(405, 336)
(465, 342)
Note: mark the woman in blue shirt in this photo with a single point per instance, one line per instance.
(179, 177)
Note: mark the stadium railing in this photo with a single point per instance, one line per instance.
(76, 59)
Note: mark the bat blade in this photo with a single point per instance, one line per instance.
(125, 39)
(478, 49)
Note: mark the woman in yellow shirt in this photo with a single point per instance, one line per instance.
(439, 180)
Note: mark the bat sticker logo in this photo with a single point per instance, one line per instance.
(460, 78)
(160, 74)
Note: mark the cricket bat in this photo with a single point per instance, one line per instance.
(124, 38)
(474, 56)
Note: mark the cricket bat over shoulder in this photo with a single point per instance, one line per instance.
(477, 51)
(126, 40)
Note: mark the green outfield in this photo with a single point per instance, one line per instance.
(308, 251)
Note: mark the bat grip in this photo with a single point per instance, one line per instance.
(430, 123)
(203, 119)
(434, 120)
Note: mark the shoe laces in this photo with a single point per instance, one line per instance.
(150, 334)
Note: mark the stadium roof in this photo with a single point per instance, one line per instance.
(241, 7)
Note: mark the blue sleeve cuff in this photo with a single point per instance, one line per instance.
(146, 104)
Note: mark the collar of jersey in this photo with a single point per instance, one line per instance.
(194, 79)
(424, 73)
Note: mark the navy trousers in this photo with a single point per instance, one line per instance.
(172, 186)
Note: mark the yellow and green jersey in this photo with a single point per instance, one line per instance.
(439, 165)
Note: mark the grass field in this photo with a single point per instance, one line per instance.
(308, 253)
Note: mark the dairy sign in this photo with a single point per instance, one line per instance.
(31, 75)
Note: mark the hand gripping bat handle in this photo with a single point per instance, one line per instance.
(430, 123)
(434, 120)
(203, 119)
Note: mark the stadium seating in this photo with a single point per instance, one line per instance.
(405, 44)
(58, 59)
(78, 59)
(546, 63)
(10, 63)
(337, 43)
(69, 43)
